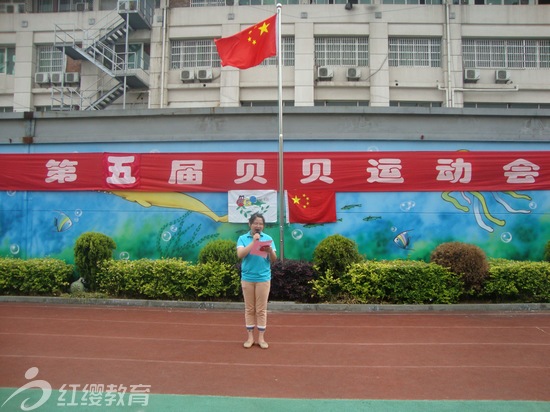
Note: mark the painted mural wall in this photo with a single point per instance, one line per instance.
(385, 225)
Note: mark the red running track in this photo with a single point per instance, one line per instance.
(400, 356)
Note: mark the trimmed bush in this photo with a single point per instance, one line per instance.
(467, 261)
(90, 249)
(34, 276)
(291, 281)
(512, 281)
(168, 279)
(397, 282)
(336, 253)
(224, 251)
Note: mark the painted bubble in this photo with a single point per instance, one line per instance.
(407, 206)
(14, 249)
(124, 256)
(78, 212)
(166, 236)
(533, 205)
(372, 149)
(393, 229)
(174, 228)
(11, 193)
(506, 237)
(297, 234)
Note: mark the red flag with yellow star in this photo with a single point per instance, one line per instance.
(311, 206)
(249, 47)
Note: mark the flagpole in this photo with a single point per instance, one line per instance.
(281, 140)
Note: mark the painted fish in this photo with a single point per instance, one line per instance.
(403, 239)
(62, 222)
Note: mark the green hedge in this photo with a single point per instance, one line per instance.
(376, 282)
(403, 282)
(34, 276)
(172, 279)
(513, 281)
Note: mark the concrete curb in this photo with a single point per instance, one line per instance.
(284, 306)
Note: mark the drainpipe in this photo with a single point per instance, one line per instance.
(162, 62)
(449, 91)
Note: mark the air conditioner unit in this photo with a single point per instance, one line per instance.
(502, 76)
(72, 77)
(471, 75)
(187, 75)
(325, 73)
(42, 78)
(353, 73)
(56, 77)
(204, 74)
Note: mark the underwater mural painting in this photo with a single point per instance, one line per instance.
(506, 221)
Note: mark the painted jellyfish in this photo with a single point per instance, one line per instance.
(480, 208)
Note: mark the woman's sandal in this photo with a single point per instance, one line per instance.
(263, 345)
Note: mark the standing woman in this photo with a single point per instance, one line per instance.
(255, 278)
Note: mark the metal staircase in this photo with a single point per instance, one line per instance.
(101, 46)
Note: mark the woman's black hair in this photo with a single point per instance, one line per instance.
(254, 216)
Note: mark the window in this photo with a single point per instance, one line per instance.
(507, 105)
(287, 48)
(341, 103)
(53, 6)
(395, 103)
(138, 56)
(193, 53)
(207, 3)
(265, 103)
(7, 60)
(414, 52)
(412, 2)
(49, 59)
(512, 54)
(342, 51)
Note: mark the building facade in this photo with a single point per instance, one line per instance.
(104, 55)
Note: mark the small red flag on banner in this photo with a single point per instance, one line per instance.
(311, 206)
(249, 47)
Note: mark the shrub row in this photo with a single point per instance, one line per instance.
(397, 282)
(407, 282)
(172, 279)
(34, 276)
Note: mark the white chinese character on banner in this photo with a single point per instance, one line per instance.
(121, 174)
(187, 172)
(251, 169)
(316, 169)
(385, 171)
(454, 170)
(61, 172)
(521, 171)
(139, 395)
(61, 401)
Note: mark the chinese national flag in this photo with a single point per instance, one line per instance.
(251, 46)
(310, 206)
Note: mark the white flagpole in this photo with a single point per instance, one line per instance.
(281, 140)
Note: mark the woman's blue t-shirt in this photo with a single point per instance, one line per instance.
(255, 268)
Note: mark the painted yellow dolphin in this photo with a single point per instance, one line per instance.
(174, 200)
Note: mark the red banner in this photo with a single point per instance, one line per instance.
(221, 172)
